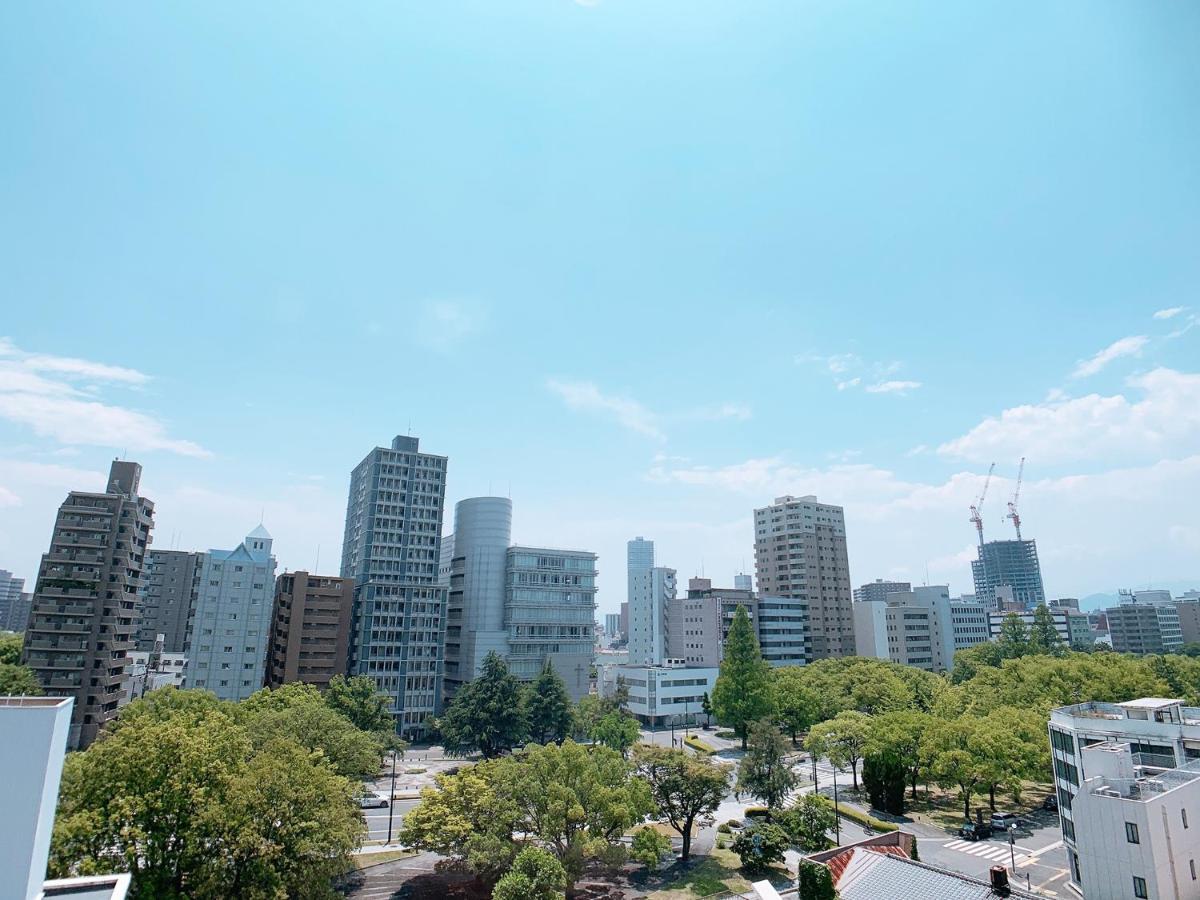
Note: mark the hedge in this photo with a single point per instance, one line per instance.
(699, 746)
(862, 818)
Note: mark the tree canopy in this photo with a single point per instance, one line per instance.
(764, 771)
(744, 692)
(487, 713)
(548, 709)
(684, 788)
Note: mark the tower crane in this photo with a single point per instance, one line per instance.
(978, 504)
(1012, 504)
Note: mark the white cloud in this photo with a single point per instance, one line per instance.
(892, 387)
(56, 408)
(736, 411)
(1126, 346)
(1163, 423)
(585, 396)
(849, 383)
(444, 324)
(1169, 313)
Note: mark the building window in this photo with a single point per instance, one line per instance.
(1139, 888)
(1183, 815)
(1131, 833)
(1192, 868)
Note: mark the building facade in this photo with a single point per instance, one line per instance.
(1012, 564)
(1163, 732)
(1143, 628)
(652, 593)
(784, 637)
(879, 590)
(667, 695)
(698, 623)
(1189, 620)
(86, 602)
(612, 626)
(14, 609)
(1072, 627)
(392, 550)
(310, 629)
(231, 626)
(969, 621)
(800, 553)
(169, 601)
(912, 628)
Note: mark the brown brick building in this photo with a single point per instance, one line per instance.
(310, 629)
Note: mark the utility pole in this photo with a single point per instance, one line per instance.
(392, 797)
(837, 819)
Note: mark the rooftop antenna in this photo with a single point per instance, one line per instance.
(926, 573)
(262, 513)
(1012, 504)
(317, 567)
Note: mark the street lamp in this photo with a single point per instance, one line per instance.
(837, 819)
(392, 797)
(1012, 855)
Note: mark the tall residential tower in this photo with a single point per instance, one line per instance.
(800, 553)
(392, 550)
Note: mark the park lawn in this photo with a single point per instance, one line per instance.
(713, 874)
(362, 860)
(943, 808)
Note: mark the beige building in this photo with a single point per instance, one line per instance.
(698, 623)
(1189, 619)
(310, 629)
(800, 553)
(87, 600)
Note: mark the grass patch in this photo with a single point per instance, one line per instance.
(699, 746)
(416, 770)
(862, 818)
(362, 860)
(727, 735)
(713, 874)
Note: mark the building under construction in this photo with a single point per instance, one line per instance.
(1011, 565)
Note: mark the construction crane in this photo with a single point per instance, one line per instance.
(978, 504)
(1012, 504)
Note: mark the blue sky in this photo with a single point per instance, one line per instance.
(646, 265)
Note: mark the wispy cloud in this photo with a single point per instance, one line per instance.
(1170, 312)
(586, 396)
(56, 408)
(892, 387)
(1126, 346)
(444, 324)
(736, 411)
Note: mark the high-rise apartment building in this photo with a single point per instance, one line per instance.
(1011, 564)
(800, 552)
(310, 629)
(392, 550)
(913, 628)
(169, 599)
(698, 623)
(231, 626)
(652, 591)
(14, 608)
(879, 590)
(85, 604)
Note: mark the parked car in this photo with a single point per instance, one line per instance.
(1050, 803)
(975, 831)
(1004, 821)
(372, 801)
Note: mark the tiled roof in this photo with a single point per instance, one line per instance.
(886, 876)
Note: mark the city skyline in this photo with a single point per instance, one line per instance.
(641, 270)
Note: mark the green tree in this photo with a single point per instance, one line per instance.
(486, 714)
(466, 818)
(616, 730)
(18, 681)
(574, 802)
(10, 648)
(760, 846)
(535, 875)
(764, 771)
(1013, 641)
(706, 706)
(884, 778)
(548, 706)
(798, 707)
(969, 661)
(359, 700)
(1043, 636)
(900, 734)
(649, 847)
(814, 882)
(743, 693)
(808, 822)
(685, 788)
(843, 740)
(951, 748)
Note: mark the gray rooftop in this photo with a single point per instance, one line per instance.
(881, 876)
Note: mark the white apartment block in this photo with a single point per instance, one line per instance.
(1072, 627)
(227, 637)
(1164, 734)
(662, 695)
(969, 621)
(800, 553)
(913, 628)
(651, 593)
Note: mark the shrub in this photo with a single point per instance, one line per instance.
(727, 735)
(699, 746)
(734, 823)
(649, 846)
(757, 812)
(815, 882)
(724, 828)
(760, 846)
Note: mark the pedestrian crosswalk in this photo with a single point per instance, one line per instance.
(986, 850)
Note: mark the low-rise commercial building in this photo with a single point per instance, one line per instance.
(1072, 627)
(665, 695)
(698, 623)
(310, 629)
(1144, 627)
(912, 628)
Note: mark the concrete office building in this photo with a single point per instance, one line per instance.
(912, 628)
(14, 609)
(475, 609)
(652, 591)
(310, 629)
(879, 590)
(743, 582)
(1072, 627)
(1143, 628)
(169, 599)
(550, 613)
(1164, 732)
(698, 623)
(612, 626)
(800, 552)
(392, 550)
(1189, 619)
(969, 621)
(1071, 603)
(230, 632)
(784, 637)
(86, 603)
(1012, 564)
(1136, 832)
(666, 695)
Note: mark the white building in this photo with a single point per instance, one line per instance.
(228, 635)
(33, 742)
(1137, 826)
(784, 632)
(664, 695)
(913, 628)
(1072, 627)
(969, 620)
(149, 671)
(1164, 733)
(652, 592)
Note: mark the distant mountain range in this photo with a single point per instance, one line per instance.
(1101, 601)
